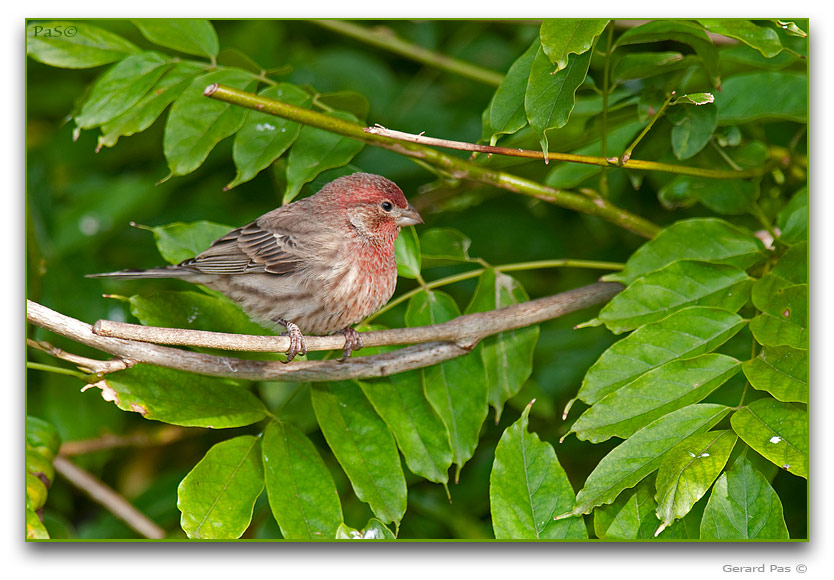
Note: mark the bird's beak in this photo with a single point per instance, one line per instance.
(409, 217)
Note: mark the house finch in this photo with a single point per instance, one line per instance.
(316, 265)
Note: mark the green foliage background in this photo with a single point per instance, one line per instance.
(87, 179)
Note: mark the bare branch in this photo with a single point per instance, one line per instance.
(105, 496)
(431, 344)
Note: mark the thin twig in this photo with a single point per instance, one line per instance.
(88, 365)
(162, 436)
(105, 496)
(431, 344)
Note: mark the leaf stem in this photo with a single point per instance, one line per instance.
(387, 40)
(56, 370)
(626, 156)
(603, 178)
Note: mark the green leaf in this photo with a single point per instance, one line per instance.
(527, 487)
(790, 270)
(75, 44)
(364, 447)
(743, 506)
(641, 65)
(670, 386)
(782, 371)
(456, 389)
(407, 253)
(507, 356)
(641, 454)
(793, 219)
(683, 334)
(35, 530)
(216, 498)
(418, 430)
(42, 437)
(784, 318)
(192, 310)
(264, 138)
(568, 175)
(676, 286)
(444, 244)
(316, 150)
(121, 87)
(565, 36)
(550, 96)
(678, 31)
(196, 124)
(374, 530)
(143, 114)
(301, 491)
(688, 471)
(704, 239)
(724, 196)
(181, 241)
(692, 128)
(763, 39)
(777, 431)
(505, 113)
(763, 95)
(181, 398)
(189, 35)
(630, 517)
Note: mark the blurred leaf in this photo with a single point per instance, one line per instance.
(505, 113)
(763, 39)
(724, 196)
(692, 129)
(189, 35)
(143, 114)
(782, 371)
(121, 87)
(630, 517)
(42, 437)
(784, 317)
(263, 138)
(683, 334)
(652, 395)
(550, 95)
(181, 398)
(777, 431)
(351, 102)
(507, 356)
(36, 492)
(364, 447)
(763, 95)
(302, 495)
(35, 530)
(40, 465)
(456, 388)
(678, 285)
(316, 150)
(561, 37)
(192, 310)
(527, 487)
(196, 124)
(216, 498)
(705, 239)
(75, 44)
(641, 454)
(180, 241)
(678, 31)
(407, 253)
(793, 219)
(688, 471)
(743, 506)
(418, 430)
(444, 244)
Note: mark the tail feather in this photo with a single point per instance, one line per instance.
(169, 272)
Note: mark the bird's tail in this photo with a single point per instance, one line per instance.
(169, 272)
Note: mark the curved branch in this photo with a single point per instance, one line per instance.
(430, 344)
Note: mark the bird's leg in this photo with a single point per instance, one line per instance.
(297, 343)
(353, 341)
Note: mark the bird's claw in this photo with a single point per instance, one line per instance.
(298, 345)
(353, 341)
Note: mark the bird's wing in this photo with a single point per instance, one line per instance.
(250, 249)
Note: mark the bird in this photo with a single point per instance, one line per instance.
(315, 266)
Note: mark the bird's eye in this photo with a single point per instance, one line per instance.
(387, 205)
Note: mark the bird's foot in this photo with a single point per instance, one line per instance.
(298, 346)
(353, 341)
